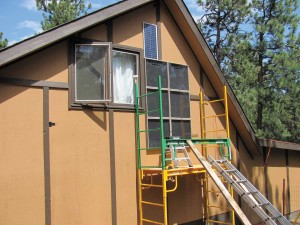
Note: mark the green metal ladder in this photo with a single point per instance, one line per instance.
(143, 185)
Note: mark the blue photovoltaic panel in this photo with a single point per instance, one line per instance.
(150, 39)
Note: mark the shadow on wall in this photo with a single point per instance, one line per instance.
(99, 117)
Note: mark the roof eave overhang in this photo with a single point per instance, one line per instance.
(270, 143)
(204, 55)
(42, 40)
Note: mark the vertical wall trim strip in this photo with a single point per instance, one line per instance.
(238, 160)
(46, 144)
(265, 172)
(288, 181)
(112, 168)
(109, 25)
(158, 24)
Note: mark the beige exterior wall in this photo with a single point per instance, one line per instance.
(21, 150)
(80, 164)
(276, 175)
(80, 141)
(252, 169)
(126, 169)
(50, 64)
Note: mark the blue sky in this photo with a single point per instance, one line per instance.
(19, 19)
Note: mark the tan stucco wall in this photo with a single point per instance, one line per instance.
(80, 164)
(50, 64)
(126, 168)
(80, 140)
(252, 169)
(276, 173)
(21, 150)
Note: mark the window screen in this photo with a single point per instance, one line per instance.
(175, 100)
(154, 69)
(91, 72)
(150, 40)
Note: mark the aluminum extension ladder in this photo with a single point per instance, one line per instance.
(261, 206)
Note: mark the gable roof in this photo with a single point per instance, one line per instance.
(186, 24)
(49, 37)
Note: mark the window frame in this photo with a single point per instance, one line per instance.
(105, 105)
(72, 74)
(169, 119)
(112, 77)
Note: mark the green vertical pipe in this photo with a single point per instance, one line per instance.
(229, 149)
(161, 121)
(137, 123)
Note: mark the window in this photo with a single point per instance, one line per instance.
(102, 76)
(125, 67)
(92, 69)
(150, 41)
(175, 97)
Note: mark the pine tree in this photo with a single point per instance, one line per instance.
(275, 25)
(262, 65)
(221, 23)
(3, 43)
(57, 12)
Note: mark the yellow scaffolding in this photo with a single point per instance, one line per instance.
(215, 131)
(156, 177)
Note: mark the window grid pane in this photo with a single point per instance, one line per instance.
(90, 72)
(176, 100)
(178, 77)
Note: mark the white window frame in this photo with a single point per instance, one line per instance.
(135, 76)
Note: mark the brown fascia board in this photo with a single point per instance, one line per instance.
(270, 143)
(202, 51)
(47, 38)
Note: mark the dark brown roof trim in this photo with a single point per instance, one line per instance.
(42, 40)
(279, 144)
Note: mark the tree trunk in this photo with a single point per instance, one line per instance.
(260, 83)
(218, 38)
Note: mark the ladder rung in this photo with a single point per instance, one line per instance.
(230, 171)
(218, 115)
(182, 158)
(212, 101)
(149, 130)
(151, 185)
(240, 181)
(152, 203)
(152, 221)
(149, 93)
(263, 204)
(276, 217)
(251, 192)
